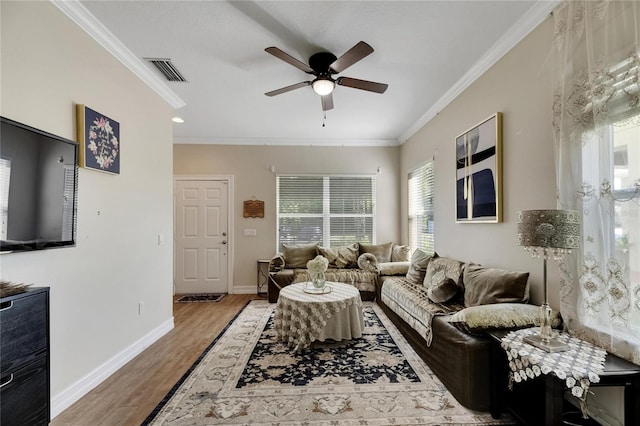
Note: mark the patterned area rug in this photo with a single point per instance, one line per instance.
(247, 377)
(200, 297)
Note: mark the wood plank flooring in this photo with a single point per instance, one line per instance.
(129, 395)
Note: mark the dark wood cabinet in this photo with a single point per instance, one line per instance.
(24, 358)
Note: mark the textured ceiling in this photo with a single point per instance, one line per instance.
(424, 50)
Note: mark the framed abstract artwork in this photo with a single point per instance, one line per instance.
(99, 140)
(479, 172)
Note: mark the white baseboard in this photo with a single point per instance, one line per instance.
(245, 289)
(77, 390)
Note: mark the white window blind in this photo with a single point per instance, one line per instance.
(330, 210)
(420, 194)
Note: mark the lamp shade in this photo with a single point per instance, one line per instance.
(322, 86)
(555, 229)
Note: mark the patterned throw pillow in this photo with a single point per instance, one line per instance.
(382, 252)
(341, 257)
(297, 255)
(418, 266)
(441, 268)
(400, 253)
(483, 286)
(477, 319)
(444, 291)
(368, 262)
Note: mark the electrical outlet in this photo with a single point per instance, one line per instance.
(140, 308)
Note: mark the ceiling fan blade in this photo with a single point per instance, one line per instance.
(327, 102)
(289, 59)
(353, 55)
(370, 86)
(288, 88)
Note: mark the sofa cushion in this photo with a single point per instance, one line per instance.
(418, 266)
(297, 255)
(440, 268)
(483, 286)
(382, 252)
(444, 291)
(341, 257)
(478, 319)
(362, 280)
(400, 253)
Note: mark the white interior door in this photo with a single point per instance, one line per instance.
(201, 236)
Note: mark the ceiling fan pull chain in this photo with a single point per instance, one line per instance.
(324, 119)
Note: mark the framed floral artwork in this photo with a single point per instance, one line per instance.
(99, 140)
(479, 172)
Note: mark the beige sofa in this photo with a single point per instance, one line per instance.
(358, 264)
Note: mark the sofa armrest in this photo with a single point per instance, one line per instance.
(276, 263)
(393, 268)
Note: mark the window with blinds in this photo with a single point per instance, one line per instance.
(420, 195)
(330, 210)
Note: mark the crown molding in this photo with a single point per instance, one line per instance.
(287, 142)
(85, 20)
(519, 30)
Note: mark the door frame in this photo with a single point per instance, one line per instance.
(230, 233)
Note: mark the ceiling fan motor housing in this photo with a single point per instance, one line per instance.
(321, 62)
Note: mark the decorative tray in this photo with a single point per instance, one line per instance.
(312, 290)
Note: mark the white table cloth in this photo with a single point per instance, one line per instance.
(302, 318)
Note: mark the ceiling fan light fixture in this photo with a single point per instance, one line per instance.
(323, 86)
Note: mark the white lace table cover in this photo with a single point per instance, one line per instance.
(301, 318)
(578, 367)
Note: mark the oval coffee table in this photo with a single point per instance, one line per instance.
(302, 318)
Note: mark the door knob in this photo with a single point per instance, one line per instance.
(224, 241)
(224, 234)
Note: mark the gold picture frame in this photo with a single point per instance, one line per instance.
(479, 172)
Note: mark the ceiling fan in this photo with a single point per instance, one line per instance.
(323, 65)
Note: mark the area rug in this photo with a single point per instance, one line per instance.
(247, 377)
(200, 297)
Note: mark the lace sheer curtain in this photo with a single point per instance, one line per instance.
(596, 122)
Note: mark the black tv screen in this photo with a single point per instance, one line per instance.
(38, 188)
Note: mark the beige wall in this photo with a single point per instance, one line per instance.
(49, 64)
(518, 86)
(250, 166)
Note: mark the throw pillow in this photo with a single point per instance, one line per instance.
(444, 291)
(477, 319)
(483, 286)
(382, 252)
(341, 257)
(368, 262)
(418, 266)
(441, 268)
(297, 255)
(400, 253)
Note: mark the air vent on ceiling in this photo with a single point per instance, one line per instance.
(167, 69)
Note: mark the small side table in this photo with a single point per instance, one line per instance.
(541, 401)
(263, 277)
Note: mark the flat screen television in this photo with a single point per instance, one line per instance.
(38, 188)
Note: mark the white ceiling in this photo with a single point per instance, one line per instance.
(427, 51)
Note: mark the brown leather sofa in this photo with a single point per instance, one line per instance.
(459, 357)
(460, 360)
(344, 266)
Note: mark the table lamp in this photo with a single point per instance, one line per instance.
(548, 233)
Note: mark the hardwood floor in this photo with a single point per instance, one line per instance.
(129, 395)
